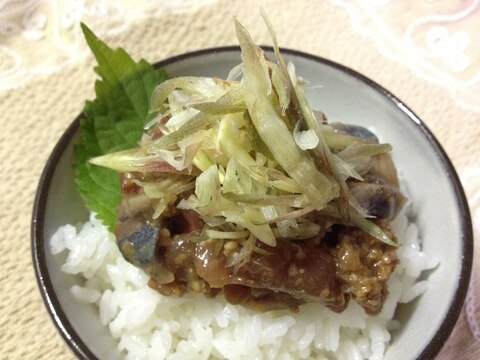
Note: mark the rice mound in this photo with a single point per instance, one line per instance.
(148, 325)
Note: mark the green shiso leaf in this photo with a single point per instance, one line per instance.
(113, 121)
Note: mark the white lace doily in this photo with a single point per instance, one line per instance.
(42, 36)
(432, 37)
(437, 39)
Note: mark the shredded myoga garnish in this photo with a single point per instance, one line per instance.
(240, 187)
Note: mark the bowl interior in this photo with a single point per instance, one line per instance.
(439, 204)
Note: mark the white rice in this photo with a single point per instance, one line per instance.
(148, 325)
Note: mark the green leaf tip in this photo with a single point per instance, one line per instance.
(113, 121)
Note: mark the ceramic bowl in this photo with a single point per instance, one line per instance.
(439, 204)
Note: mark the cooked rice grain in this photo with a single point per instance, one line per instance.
(148, 325)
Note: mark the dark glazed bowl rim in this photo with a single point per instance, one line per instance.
(38, 216)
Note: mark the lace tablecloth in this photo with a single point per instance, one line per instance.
(427, 52)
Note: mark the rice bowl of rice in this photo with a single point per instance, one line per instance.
(104, 309)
